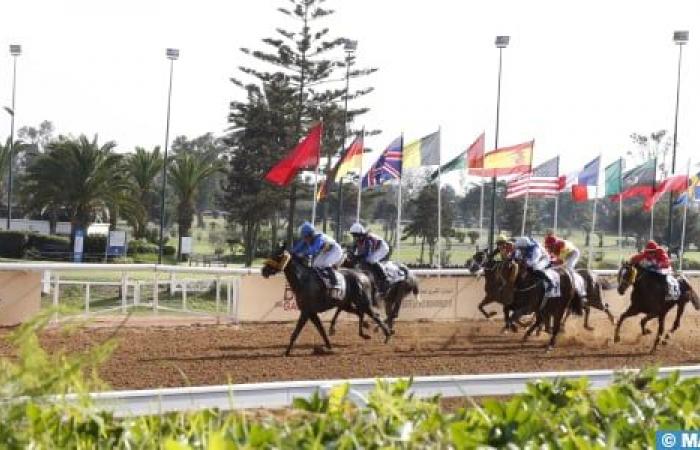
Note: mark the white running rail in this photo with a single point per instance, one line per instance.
(279, 394)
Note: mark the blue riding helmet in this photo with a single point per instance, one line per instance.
(307, 230)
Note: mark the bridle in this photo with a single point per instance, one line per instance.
(279, 265)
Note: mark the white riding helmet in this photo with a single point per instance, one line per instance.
(522, 242)
(357, 228)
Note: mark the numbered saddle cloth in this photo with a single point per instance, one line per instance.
(393, 272)
(335, 290)
(674, 288)
(579, 283)
(555, 284)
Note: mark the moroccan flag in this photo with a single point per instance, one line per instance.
(349, 161)
(474, 154)
(508, 160)
(638, 182)
(305, 155)
(423, 152)
(613, 178)
(675, 183)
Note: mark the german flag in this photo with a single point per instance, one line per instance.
(350, 160)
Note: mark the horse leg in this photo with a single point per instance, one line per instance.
(558, 315)
(303, 318)
(629, 313)
(381, 325)
(539, 315)
(679, 314)
(319, 326)
(361, 326)
(331, 330)
(484, 302)
(586, 316)
(643, 324)
(660, 331)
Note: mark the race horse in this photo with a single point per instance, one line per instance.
(530, 296)
(594, 296)
(394, 295)
(499, 280)
(312, 295)
(649, 297)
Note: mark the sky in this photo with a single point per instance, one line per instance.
(579, 76)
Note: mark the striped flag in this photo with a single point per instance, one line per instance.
(542, 182)
(387, 167)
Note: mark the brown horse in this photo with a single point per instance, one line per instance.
(530, 297)
(312, 298)
(499, 280)
(392, 298)
(649, 297)
(594, 287)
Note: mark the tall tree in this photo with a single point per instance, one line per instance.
(423, 210)
(308, 59)
(653, 145)
(186, 173)
(144, 168)
(80, 176)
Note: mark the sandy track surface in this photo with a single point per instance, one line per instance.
(204, 354)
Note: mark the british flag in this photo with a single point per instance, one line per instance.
(387, 167)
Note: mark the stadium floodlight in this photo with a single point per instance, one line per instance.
(15, 50)
(681, 37)
(502, 41)
(172, 53)
(350, 45)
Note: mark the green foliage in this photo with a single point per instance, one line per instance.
(139, 247)
(169, 250)
(43, 241)
(12, 244)
(473, 236)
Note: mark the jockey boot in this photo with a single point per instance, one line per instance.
(380, 276)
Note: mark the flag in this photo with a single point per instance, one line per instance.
(613, 178)
(508, 160)
(675, 183)
(475, 155)
(464, 159)
(585, 179)
(638, 182)
(423, 152)
(543, 182)
(387, 167)
(351, 159)
(305, 155)
(693, 192)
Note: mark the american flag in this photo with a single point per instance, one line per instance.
(387, 167)
(542, 182)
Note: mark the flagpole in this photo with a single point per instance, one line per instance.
(481, 213)
(685, 218)
(359, 179)
(593, 223)
(339, 215)
(313, 207)
(527, 197)
(619, 221)
(651, 227)
(439, 205)
(398, 209)
(556, 213)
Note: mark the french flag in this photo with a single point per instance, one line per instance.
(581, 181)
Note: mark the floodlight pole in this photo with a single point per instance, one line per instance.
(172, 54)
(350, 47)
(15, 51)
(501, 43)
(680, 38)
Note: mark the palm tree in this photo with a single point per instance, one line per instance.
(186, 173)
(143, 167)
(83, 178)
(18, 148)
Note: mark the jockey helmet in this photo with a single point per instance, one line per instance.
(307, 230)
(652, 247)
(550, 240)
(501, 239)
(522, 242)
(357, 228)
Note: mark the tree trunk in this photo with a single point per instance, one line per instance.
(422, 248)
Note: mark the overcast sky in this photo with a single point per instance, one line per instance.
(578, 77)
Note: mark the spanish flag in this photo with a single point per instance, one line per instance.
(508, 161)
(350, 161)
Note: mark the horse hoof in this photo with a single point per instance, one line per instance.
(365, 325)
(331, 332)
(616, 339)
(548, 349)
(588, 327)
(365, 336)
(490, 314)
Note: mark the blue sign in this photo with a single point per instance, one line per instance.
(677, 439)
(116, 243)
(78, 243)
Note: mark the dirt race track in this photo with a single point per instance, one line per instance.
(151, 356)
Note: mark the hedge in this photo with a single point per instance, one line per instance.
(12, 244)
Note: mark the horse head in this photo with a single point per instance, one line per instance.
(276, 262)
(626, 277)
(477, 261)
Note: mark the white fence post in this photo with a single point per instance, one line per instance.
(87, 298)
(183, 286)
(155, 291)
(56, 288)
(218, 294)
(124, 292)
(229, 297)
(237, 299)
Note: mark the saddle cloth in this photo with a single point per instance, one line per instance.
(335, 291)
(555, 289)
(579, 283)
(393, 272)
(674, 288)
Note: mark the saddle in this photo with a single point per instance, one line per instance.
(394, 272)
(333, 281)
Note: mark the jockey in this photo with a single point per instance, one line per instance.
(324, 251)
(534, 256)
(564, 252)
(370, 248)
(504, 249)
(655, 259)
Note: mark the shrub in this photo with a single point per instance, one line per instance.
(460, 236)
(473, 236)
(12, 244)
(169, 250)
(95, 244)
(43, 242)
(139, 247)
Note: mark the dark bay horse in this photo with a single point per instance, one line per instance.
(312, 298)
(530, 297)
(499, 280)
(594, 296)
(392, 298)
(649, 297)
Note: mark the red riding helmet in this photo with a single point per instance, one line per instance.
(652, 247)
(550, 240)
